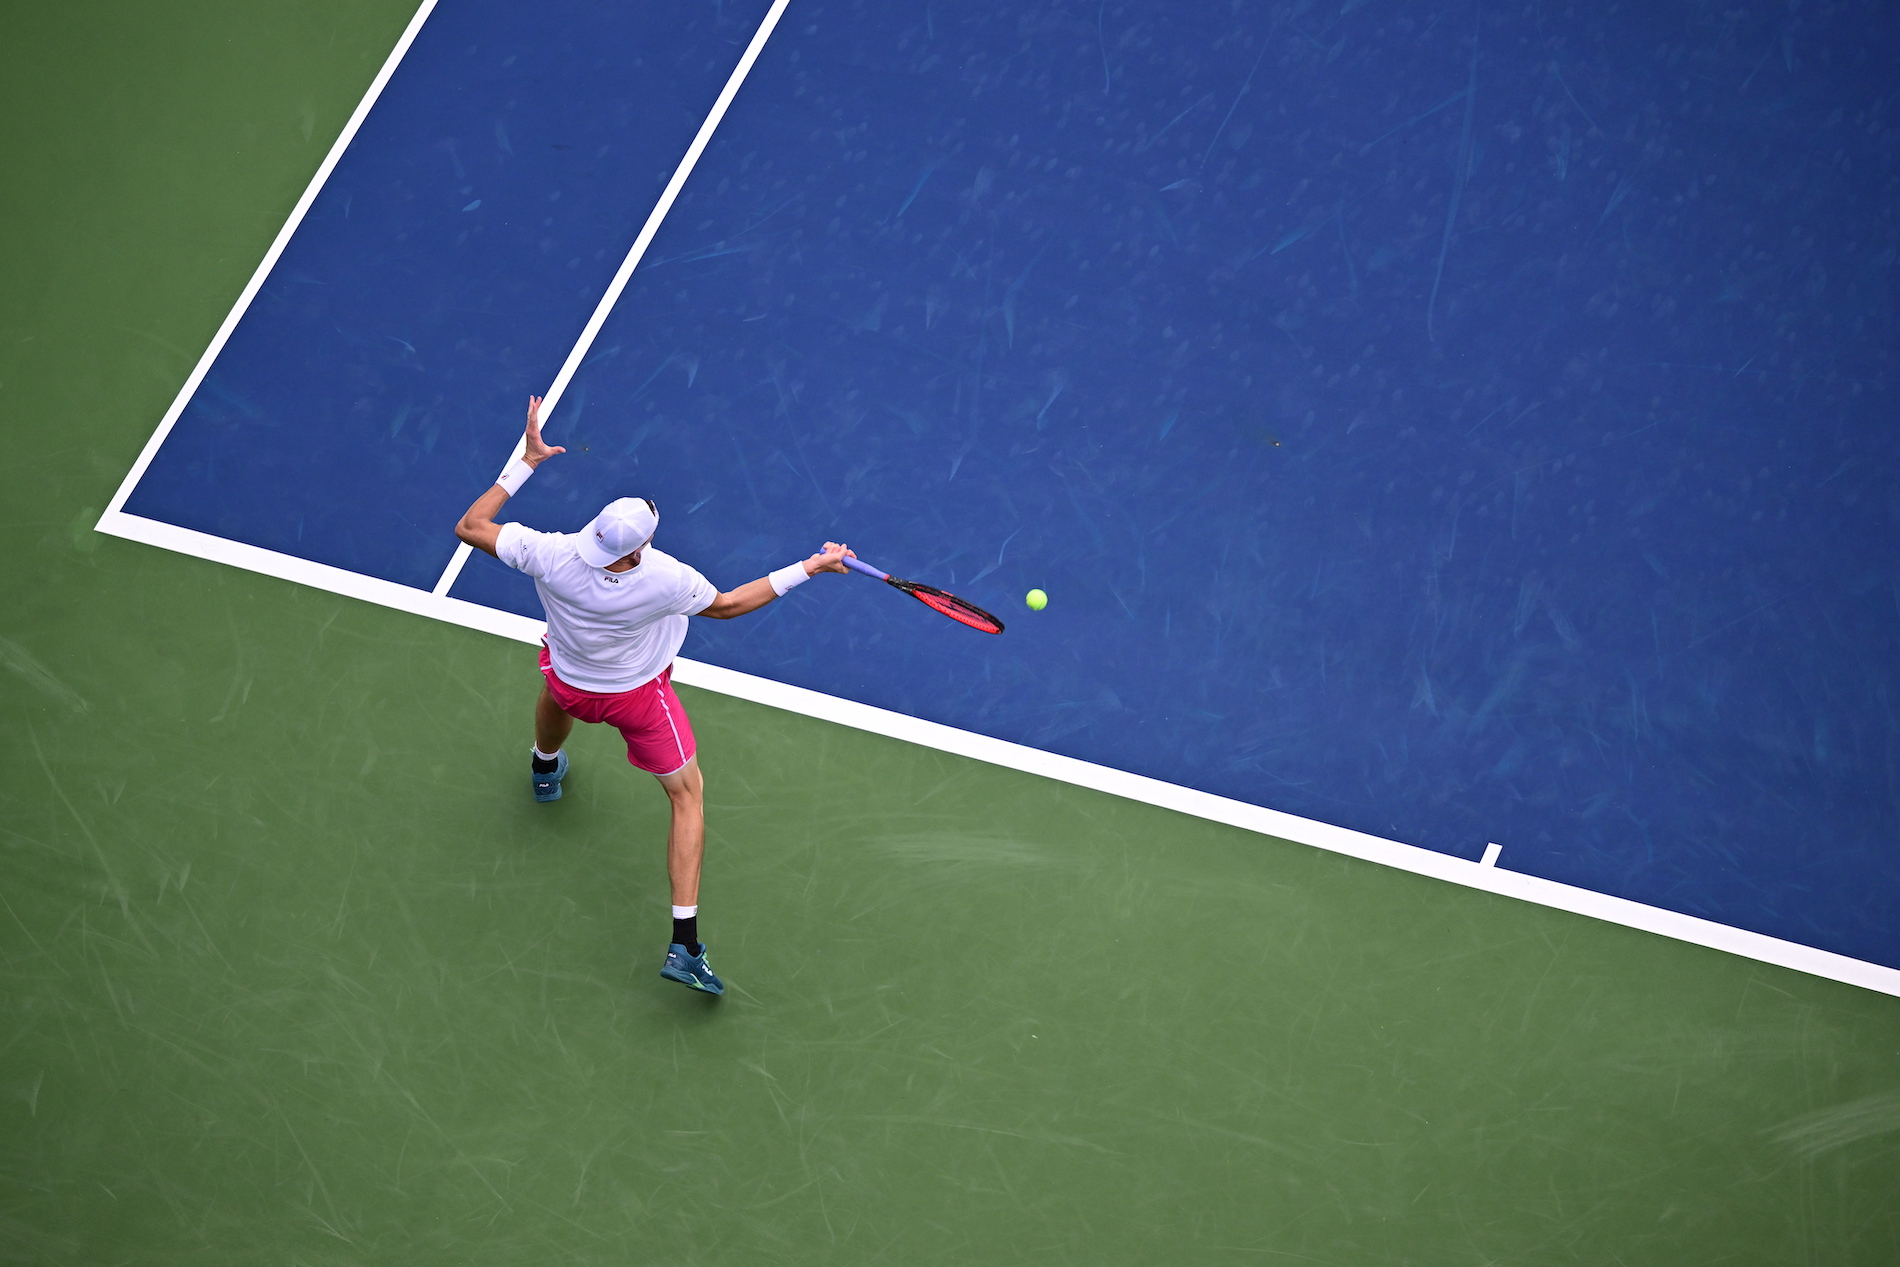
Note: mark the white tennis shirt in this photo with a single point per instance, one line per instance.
(607, 631)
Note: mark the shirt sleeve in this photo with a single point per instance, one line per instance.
(696, 592)
(524, 549)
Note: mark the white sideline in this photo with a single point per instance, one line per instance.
(607, 301)
(1475, 875)
(256, 283)
(437, 605)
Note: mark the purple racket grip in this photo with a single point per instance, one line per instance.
(858, 565)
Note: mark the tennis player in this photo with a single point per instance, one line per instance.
(617, 609)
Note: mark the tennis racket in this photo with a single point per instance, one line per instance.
(935, 599)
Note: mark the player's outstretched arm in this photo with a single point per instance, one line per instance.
(755, 594)
(478, 527)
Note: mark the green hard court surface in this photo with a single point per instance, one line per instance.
(293, 971)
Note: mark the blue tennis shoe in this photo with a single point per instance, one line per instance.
(690, 970)
(547, 787)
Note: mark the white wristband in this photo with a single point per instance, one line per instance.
(514, 476)
(787, 578)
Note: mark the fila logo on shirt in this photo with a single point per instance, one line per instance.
(614, 579)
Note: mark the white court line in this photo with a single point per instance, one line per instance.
(256, 283)
(321, 576)
(1484, 875)
(640, 244)
(439, 606)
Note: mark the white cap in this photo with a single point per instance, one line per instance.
(626, 525)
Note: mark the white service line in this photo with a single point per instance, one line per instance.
(256, 283)
(640, 244)
(1484, 875)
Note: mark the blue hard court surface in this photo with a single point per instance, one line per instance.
(1456, 424)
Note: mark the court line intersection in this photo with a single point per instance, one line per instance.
(639, 249)
(1485, 875)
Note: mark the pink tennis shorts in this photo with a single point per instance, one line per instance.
(649, 717)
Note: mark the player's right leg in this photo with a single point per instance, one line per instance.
(685, 850)
(686, 837)
(660, 741)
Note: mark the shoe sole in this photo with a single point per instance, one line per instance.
(691, 983)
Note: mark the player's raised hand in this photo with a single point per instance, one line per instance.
(830, 559)
(537, 450)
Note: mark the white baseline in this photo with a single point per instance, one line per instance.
(437, 605)
(1476, 875)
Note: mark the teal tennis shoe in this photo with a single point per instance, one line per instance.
(547, 787)
(690, 970)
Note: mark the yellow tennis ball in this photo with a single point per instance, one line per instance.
(1037, 600)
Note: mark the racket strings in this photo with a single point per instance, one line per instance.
(955, 608)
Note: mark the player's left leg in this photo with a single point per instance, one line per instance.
(552, 725)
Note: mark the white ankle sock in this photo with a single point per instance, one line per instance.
(546, 756)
